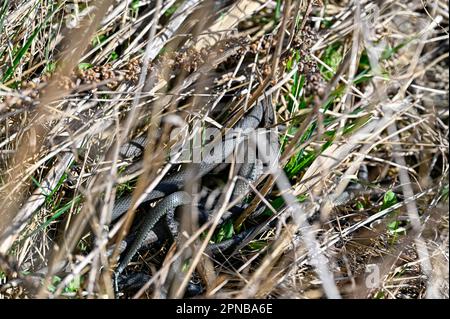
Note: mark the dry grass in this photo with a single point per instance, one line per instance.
(353, 83)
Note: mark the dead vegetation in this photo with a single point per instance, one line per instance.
(354, 84)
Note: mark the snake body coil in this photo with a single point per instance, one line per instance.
(169, 188)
